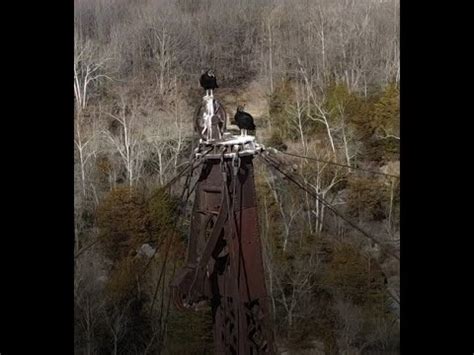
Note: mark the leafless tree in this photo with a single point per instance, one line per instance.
(136, 67)
(89, 69)
(294, 284)
(128, 141)
(84, 141)
(288, 214)
(351, 323)
(88, 287)
(116, 319)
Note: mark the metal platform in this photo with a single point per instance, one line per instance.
(229, 147)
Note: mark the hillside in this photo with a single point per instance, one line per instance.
(322, 81)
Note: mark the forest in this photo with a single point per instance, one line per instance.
(322, 80)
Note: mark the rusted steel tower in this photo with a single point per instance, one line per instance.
(224, 262)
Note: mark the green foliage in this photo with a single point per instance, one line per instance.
(355, 109)
(87, 217)
(346, 273)
(102, 171)
(373, 119)
(366, 198)
(342, 274)
(370, 118)
(121, 284)
(386, 111)
(280, 100)
(190, 333)
(276, 141)
(385, 124)
(269, 214)
(162, 212)
(121, 218)
(126, 220)
(369, 198)
(339, 97)
(355, 279)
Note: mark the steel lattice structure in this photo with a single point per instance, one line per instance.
(224, 262)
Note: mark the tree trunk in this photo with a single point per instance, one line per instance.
(115, 344)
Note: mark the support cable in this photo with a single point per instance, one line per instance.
(276, 165)
(273, 150)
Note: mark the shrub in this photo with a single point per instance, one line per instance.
(368, 198)
(126, 220)
(280, 100)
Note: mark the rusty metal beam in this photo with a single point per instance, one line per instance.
(224, 263)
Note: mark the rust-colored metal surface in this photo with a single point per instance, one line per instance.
(224, 262)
